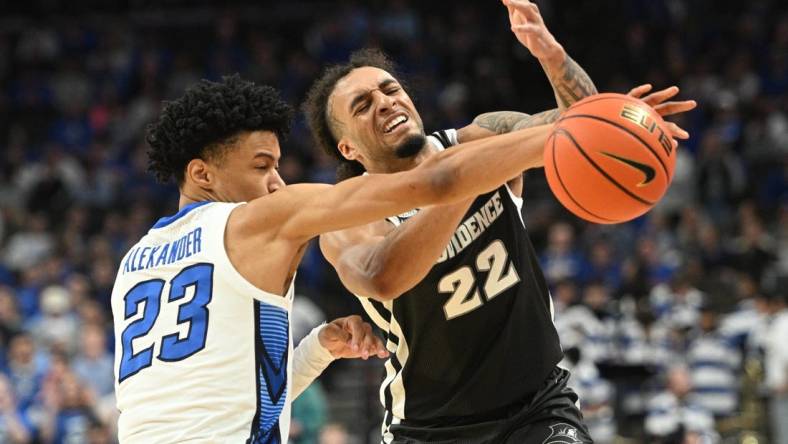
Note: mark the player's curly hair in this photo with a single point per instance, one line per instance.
(319, 119)
(208, 118)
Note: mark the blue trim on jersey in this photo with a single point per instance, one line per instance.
(272, 341)
(164, 221)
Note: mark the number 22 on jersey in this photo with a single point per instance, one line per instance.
(194, 313)
(461, 283)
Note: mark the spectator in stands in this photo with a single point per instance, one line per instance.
(67, 412)
(677, 302)
(565, 295)
(26, 248)
(777, 366)
(596, 395)
(56, 328)
(25, 368)
(93, 364)
(603, 264)
(561, 258)
(642, 339)
(714, 361)
(672, 418)
(10, 319)
(15, 427)
(592, 320)
(745, 318)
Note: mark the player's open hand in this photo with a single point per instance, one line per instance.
(528, 26)
(659, 101)
(351, 337)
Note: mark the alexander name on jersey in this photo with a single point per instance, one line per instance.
(141, 258)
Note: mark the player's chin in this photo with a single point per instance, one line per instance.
(399, 134)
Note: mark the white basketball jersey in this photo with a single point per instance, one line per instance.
(201, 355)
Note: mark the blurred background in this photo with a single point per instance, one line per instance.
(671, 323)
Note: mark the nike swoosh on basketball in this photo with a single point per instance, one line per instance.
(642, 167)
(275, 376)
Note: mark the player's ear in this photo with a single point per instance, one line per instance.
(198, 172)
(347, 149)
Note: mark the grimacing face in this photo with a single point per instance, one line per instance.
(248, 169)
(375, 114)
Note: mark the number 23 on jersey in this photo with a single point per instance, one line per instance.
(194, 313)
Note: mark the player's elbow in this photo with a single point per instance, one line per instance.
(382, 288)
(368, 278)
(383, 294)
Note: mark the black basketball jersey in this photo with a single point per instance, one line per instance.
(476, 334)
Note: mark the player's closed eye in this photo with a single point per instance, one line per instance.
(362, 108)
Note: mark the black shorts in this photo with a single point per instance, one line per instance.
(551, 416)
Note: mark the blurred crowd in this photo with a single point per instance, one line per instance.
(675, 325)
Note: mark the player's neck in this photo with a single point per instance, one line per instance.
(190, 197)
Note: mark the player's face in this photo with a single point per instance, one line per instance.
(377, 118)
(248, 170)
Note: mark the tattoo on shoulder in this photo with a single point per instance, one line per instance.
(501, 122)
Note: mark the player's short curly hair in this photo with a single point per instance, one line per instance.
(320, 121)
(208, 118)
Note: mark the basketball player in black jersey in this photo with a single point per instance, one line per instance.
(457, 289)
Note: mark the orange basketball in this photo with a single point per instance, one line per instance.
(609, 158)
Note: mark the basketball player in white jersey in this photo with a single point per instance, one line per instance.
(201, 304)
(456, 288)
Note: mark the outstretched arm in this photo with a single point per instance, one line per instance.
(300, 212)
(569, 81)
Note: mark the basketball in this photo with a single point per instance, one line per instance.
(609, 159)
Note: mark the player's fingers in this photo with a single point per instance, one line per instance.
(670, 108)
(530, 10)
(522, 5)
(677, 131)
(374, 345)
(368, 344)
(661, 95)
(380, 348)
(509, 7)
(355, 326)
(638, 91)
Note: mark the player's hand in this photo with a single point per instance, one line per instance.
(528, 26)
(351, 337)
(658, 101)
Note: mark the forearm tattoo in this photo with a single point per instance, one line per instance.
(501, 122)
(570, 83)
